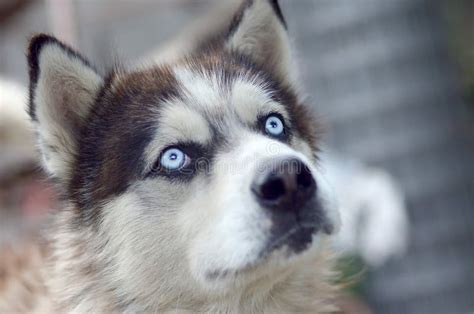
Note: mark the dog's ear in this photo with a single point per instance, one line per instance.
(258, 29)
(63, 88)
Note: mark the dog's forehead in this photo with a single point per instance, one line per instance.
(199, 91)
(200, 83)
(242, 95)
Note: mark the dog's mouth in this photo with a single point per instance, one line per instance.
(294, 234)
(287, 241)
(297, 240)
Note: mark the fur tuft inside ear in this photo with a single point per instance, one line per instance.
(258, 30)
(63, 88)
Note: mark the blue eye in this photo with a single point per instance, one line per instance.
(274, 126)
(173, 159)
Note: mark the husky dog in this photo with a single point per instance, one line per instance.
(189, 186)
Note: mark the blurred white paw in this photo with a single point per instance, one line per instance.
(374, 218)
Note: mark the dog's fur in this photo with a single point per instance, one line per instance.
(133, 239)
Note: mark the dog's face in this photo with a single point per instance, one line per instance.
(198, 175)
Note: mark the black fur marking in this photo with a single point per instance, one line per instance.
(237, 19)
(276, 7)
(37, 43)
(295, 230)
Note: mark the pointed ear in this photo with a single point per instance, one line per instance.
(63, 88)
(258, 29)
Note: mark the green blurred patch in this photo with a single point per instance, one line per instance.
(353, 273)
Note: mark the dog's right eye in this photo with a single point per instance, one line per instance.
(172, 159)
(178, 161)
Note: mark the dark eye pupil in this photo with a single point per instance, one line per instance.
(273, 124)
(173, 156)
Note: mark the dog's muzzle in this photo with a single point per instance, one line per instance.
(287, 190)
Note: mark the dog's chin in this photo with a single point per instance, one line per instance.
(281, 253)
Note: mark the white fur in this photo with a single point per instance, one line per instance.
(202, 92)
(251, 100)
(249, 97)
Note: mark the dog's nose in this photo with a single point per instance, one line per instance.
(284, 185)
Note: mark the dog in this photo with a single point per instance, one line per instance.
(188, 186)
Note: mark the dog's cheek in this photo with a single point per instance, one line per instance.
(141, 235)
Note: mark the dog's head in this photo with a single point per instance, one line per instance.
(198, 175)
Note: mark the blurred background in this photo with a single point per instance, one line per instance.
(393, 80)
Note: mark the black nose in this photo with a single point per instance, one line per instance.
(284, 185)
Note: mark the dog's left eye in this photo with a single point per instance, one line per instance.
(173, 159)
(274, 126)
